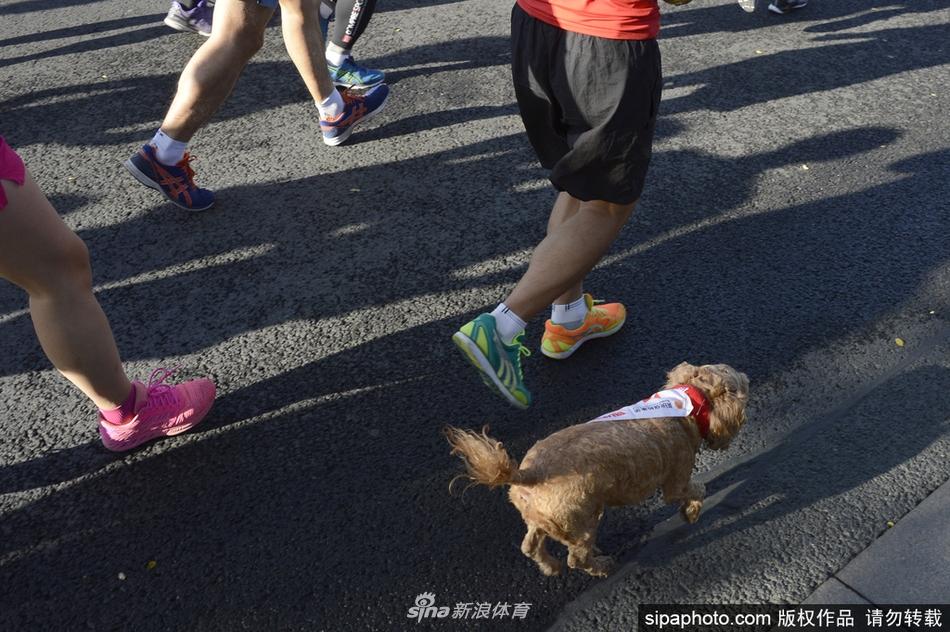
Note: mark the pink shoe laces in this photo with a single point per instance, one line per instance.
(159, 394)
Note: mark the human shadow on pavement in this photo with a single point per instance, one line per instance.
(869, 16)
(460, 54)
(299, 500)
(73, 115)
(402, 5)
(719, 89)
(76, 30)
(51, 115)
(29, 6)
(431, 121)
(700, 19)
(298, 520)
(316, 249)
(55, 466)
(125, 38)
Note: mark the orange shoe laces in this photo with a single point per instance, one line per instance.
(185, 163)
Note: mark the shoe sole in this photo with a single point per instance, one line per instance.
(563, 355)
(183, 28)
(178, 26)
(478, 360)
(342, 138)
(361, 86)
(144, 179)
(775, 9)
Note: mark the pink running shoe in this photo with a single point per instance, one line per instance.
(160, 411)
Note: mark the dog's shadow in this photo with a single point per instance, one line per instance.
(870, 443)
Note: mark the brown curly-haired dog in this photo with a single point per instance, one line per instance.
(565, 481)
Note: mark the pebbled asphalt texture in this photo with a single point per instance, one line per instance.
(794, 224)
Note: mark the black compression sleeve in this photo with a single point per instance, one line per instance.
(352, 16)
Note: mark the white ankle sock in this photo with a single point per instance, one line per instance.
(168, 151)
(336, 55)
(571, 315)
(507, 323)
(332, 106)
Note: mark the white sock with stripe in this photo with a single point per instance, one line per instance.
(332, 106)
(168, 151)
(507, 323)
(571, 315)
(336, 55)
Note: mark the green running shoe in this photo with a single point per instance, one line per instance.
(350, 74)
(498, 364)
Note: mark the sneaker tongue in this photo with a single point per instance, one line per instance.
(160, 397)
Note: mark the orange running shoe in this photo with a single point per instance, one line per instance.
(603, 319)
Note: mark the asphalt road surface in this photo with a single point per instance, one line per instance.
(795, 225)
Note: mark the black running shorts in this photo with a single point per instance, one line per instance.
(589, 105)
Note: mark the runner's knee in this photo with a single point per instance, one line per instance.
(64, 267)
(248, 43)
(242, 42)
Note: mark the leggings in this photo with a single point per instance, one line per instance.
(352, 16)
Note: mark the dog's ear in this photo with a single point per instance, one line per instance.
(717, 380)
(726, 417)
(682, 373)
(728, 391)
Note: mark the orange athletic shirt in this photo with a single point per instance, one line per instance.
(613, 19)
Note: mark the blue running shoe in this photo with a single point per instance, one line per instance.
(349, 74)
(498, 364)
(197, 19)
(357, 107)
(175, 182)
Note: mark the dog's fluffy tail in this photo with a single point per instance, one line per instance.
(486, 459)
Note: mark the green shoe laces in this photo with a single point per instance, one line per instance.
(522, 350)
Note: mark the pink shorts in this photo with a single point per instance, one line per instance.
(11, 168)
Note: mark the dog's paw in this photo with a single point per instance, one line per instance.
(551, 569)
(690, 510)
